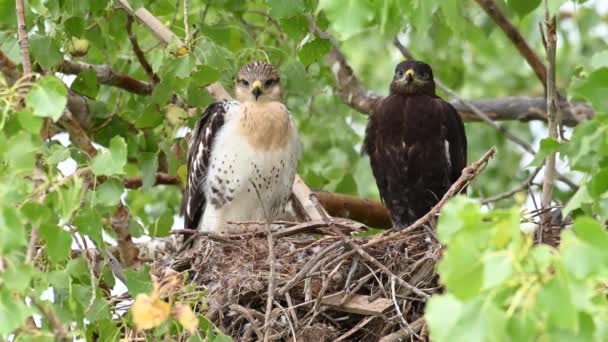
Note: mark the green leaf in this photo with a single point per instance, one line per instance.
(74, 26)
(109, 192)
(205, 75)
(18, 277)
(461, 270)
(112, 161)
(68, 198)
(12, 312)
(497, 268)
(58, 242)
(296, 27)
(281, 8)
(162, 226)
(600, 59)
(523, 7)
(12, 231)
(58, 154)
(347, 185)
(181, 67)
(557, 303)
(547, 146)
(89, 222)
(347, 17)
(86, 84)
(594, 89)
(598, 184)
(29, 121)
(148, 164)
(313, 51)
(139, 281)
(45, 51)
(48, 97)
(475, 320)
(149, 118)
(455, 216)
(584, 249)
(580, 198)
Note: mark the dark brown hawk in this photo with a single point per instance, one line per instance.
(416, 143)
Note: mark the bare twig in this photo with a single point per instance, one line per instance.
(490, 7)
(523, 186)
(161, 179)
(404, 335)
(22, 34)
(247, 314)
(60, 331)
(106, 75)
(550, 171)
(138, 52)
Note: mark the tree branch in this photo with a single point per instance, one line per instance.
(166, 37)
(161, 179)
(22, 34)
(138, 52)
(106, 75)
(521, 108)
(550, 171)
(491, 8)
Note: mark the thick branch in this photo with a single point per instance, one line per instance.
(347, 84)
(491, 8)
(547, 194)
(521, 108)
(161, 179)
(106, 75)
(524, 108)
(22, 34)
(371, 213)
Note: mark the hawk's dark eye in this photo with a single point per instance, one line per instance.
(399, 73)
(426, 76)
(245, 83)
(269, 83)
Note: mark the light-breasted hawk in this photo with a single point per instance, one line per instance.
(242, 155)
(416, 143)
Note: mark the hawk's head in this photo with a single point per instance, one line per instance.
(258, 81)
(413, 77)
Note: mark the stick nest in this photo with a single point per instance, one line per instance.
(323, 289)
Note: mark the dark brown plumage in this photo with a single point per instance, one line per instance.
(416, 143)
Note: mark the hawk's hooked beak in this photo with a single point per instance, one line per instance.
(409, 76)
(256, 89)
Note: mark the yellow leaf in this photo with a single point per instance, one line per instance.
(149, 312)
(181, 51)
(185, 317)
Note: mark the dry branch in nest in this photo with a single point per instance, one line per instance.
(326, 285)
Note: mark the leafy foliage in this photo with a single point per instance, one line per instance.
(500, 286)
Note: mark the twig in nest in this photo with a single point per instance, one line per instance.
(399, 313)
(309, 266)
(248, 316)
(403, 335)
